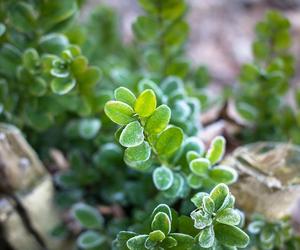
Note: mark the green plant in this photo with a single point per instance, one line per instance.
(152, 144)
(270, 235)
(43, 76)
(264, 83)
(215, 226)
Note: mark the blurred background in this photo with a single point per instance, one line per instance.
(220, 30)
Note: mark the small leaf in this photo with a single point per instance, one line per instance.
(145, 103)
(201, 219)
(197, 199)
(169, 141)
(161, 222)
(184, 241)
(137, 242)
(231, 236)
(125, 95)
(229, 216)
(169, 242)
(119, 112)
(223, 174)
(219, 194)
(159, 120)
(88, 216)
(200, 166)
(88, 128)
(157, 235)
(90, 239)
(62, 86)
(163, 178)
(216, 150)
(192, 155)
(137, 156)
(132, 135)
(162, 208)
(207, 237)
(208, 204)
(256, 226)
(194, 181)
(176, 188)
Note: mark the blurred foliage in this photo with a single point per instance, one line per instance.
(264, 84)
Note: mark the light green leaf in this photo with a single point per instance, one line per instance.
(197, 199)
(207, 237)
(137, 242)
(159, 120)
(176, 188)
(88, 216)
(137, 156)
(62, 86)
(229, 216)
(184, 241)
(219, 195)
(88, 128)
(162, 208)
(162, 222)
(119, 112)
(145, 103)
(200, 166)
(231, 235)
(208, 204)
(132, 135)
(90, 239)
(216, 150)
(169, 141)
(157, 235)
(223, 174)
(163, 178)
(194, 181)
(125, 95)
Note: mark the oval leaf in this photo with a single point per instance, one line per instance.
(145, 103)
(125, 95)
(169, 141)
(119, 112)
(163, 178)
(132, 135)
(88, 216)
(159, 120)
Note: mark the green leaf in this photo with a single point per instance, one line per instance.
(119, 112)
(53, 43)
(145, 103)
(229, 216)
(201, 219)
(163, 178)
(184, 241)
(223, 174)
(194, 181)
(176, 188)
(89, 128)
(125, 95)
(231, 235)
(62, 86)
(88, 216)
(197, 199)
(200, 166)
(157, 235)
(169, 242)
(169, 141)
(162, 208)
(192, 155)
(137, 156)
(122, 239)
(162, 222)
(216, 150)
(159, 120)
(2, 29)
(207, 237)
(145, 28)
(132, 135)
(137, 242)
(219, 194)
(90, 239)
(208, 205)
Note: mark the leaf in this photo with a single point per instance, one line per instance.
(90, 239)
(197, 199)
(125, 95)
(169, 141)
(159, 120)
(132, 135)
(122, 239)
(138, 156)
(62, 86)
(163, 178)
(256, 226)
(223, 174)
(194, 181)
(231, 235)
(229, 216)
(88, 128)
(145, 28)
(169, 242)
(192, 155)
(145, 103)
(184, 241)
(162, 208)
(207, 237)
(208, 205)
(119, 112)
(88, 216)
(216, 150)
(176, 188)
(53, 43)
(219, 194)
(200, 166)
(157, 235)
(137, 242)
(162, 222)
(201, 219)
